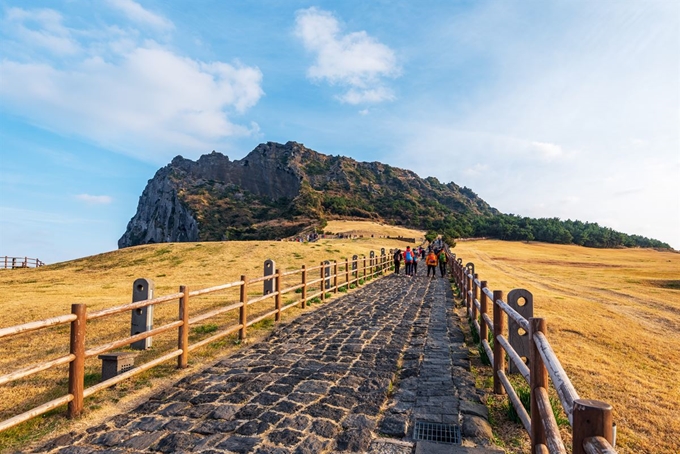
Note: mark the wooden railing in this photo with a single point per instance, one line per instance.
(333, 277)
(20, 262)
(593, 431)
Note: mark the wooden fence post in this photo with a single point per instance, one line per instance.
(277, 298)
(364, 267)
(498, 352)
(323, 282)
(592, 418)
(304, 287)
(183, 333)
(538, 379)
(243, 313)
(76, 369)
(483, 328)
(474, 297)
(335, 276)
(468, 290)
(347, 273)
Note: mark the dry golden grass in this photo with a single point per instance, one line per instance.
(105, 280)
(613, 320)
(369, 228)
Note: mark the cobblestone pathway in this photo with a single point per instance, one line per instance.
(341, 378)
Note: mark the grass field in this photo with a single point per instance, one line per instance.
(613, 320)
(370, 228)
(104, 281)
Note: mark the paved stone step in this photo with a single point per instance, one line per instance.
(337, 379)
(437, 387)
(316, 385)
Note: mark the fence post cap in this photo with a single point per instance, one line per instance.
(582, 404)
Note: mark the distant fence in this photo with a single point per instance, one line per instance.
(20, 262)
(401, 238)
(333, 276)
(593, 431)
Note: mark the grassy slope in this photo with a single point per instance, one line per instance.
(105, 280)
(612, 322)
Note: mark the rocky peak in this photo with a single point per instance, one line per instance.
(278, 189)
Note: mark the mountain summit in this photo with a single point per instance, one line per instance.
(281, 190)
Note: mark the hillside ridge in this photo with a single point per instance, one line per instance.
(279, 190)
(282, 190)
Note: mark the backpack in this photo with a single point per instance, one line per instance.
(408, 256)
(442, 257)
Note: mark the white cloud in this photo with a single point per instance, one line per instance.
(95, 199)
(547, 151)
(364, 112)
(140, 99)
(582, 105)
(476, 170)
(42, 28)
(135, 12)
(367, 96)
(355, 60)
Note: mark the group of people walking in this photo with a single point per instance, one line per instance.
(410, 257)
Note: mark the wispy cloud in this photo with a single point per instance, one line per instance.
(578, 121)
(95, 199)
(136, 13)
(356, 61)
(547, 151)
(131, 95)
(476, 170)
(41, 28)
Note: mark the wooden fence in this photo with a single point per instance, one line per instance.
(332, 277)
(20, 262)
(591, 420)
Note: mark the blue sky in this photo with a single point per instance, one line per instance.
(565, 109)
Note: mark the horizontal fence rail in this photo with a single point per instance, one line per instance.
(530, 355)
(10, 263)
(333, 277)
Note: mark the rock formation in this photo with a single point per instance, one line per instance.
(279, 190)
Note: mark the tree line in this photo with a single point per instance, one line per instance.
(549, 230)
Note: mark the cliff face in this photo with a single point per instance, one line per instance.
(278, 190)
(161, 217)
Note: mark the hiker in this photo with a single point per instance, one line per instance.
(415, 264)
(431, 262)
(442, 261)
(422, 252)
(408, 259)
(397, 260)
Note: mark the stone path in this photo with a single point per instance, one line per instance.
(352, 376)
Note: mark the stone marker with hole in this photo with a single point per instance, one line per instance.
(522, 301)
(269, 267)
(142, 318)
